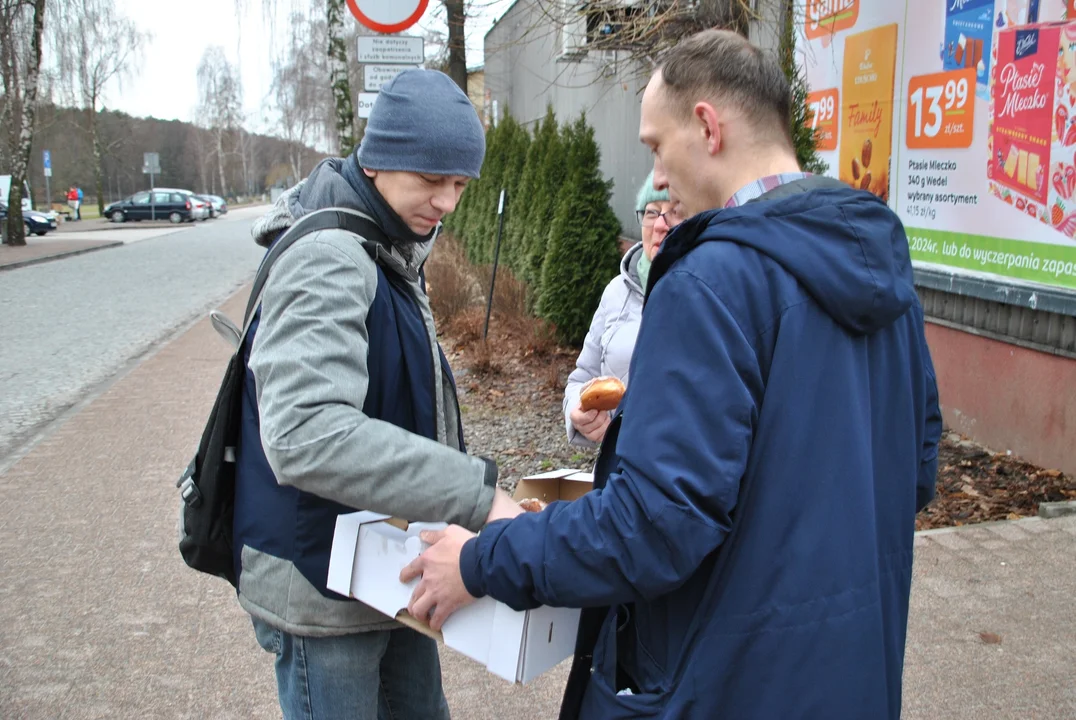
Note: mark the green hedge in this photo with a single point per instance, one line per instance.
(560, 234)
(581, 254)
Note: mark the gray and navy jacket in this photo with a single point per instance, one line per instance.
(349, 404)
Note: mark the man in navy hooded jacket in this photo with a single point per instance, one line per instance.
(747, 550)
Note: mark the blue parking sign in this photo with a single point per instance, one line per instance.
(48, 160)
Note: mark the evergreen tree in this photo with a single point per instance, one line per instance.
(540, 217)
(505, 165)
(456, 222)
(582, 255)
(530, 180)
(515, 212)
(803, 135)
(489, 188)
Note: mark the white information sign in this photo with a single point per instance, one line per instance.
(391, 49)
(374, 76)
(366, 103)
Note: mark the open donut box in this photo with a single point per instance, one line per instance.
(369, 550)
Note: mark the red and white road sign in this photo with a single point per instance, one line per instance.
(388, 16)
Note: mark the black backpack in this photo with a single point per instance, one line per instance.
(207, 487)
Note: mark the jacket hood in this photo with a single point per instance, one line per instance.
(326, 187)
(844, 246)
(629, 267)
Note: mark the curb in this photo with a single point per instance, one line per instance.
(1028, 520)
(1051, 510)
(58, 256)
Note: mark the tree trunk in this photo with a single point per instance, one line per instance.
(220, 161)
(98, 161)
(244, 147)
(457, 43)
(16, 231)
(338, 77)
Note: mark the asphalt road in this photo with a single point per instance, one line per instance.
(69, 326)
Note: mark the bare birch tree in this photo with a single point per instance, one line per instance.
(220, 102)
(20, 68)
(298, 86)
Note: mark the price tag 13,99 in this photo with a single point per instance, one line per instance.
(941, 110)
(823, 114)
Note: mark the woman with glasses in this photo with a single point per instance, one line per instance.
(611, 339)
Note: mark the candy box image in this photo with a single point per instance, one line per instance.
(1032, 137)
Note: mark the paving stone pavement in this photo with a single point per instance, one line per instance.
(1015, 580)
(99, 618)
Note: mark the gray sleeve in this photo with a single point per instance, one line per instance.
(587, 367)
(309, 366)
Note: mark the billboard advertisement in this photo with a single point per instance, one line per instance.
(961, 114)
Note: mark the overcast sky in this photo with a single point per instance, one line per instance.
(166, 86)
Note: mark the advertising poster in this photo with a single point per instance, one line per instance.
(961, 115)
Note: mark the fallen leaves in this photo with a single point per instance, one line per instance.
(975, 486)
(990, 638)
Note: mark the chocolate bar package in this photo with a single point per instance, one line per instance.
(969, 31)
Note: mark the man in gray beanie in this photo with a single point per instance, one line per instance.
(349, 404)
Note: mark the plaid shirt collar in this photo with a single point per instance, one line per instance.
(761, 186)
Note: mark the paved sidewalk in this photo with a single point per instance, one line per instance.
(1015, 581)
(99, 618)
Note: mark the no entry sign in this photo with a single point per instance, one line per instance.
(388, 16)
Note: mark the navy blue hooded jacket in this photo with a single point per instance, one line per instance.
(747, 551)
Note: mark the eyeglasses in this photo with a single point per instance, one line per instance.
(648, 217)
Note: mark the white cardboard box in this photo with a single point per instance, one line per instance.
(369, 551)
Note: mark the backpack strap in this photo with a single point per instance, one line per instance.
(369, 232)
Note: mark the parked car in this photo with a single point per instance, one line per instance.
(219, 204)
(36, 222)
(166, 204)
(201, 209)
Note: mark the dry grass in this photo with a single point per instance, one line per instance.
(450, 280)
(458, 292)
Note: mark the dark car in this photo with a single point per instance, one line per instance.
(168, 204)
(36, 222)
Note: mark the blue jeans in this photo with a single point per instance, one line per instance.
(382, 675)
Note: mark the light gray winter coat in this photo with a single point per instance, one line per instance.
(611, 339)
(309, 364)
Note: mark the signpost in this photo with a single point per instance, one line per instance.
(47, 159)
(383, 59)
(496, 257)
(385, 56)
(387, 16)
(151, 165)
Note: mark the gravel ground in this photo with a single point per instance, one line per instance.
(514, 417)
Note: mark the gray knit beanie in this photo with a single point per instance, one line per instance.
(422, 122)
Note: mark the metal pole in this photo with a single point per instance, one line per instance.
(48, 195)
(152, 205)
(496, 256)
